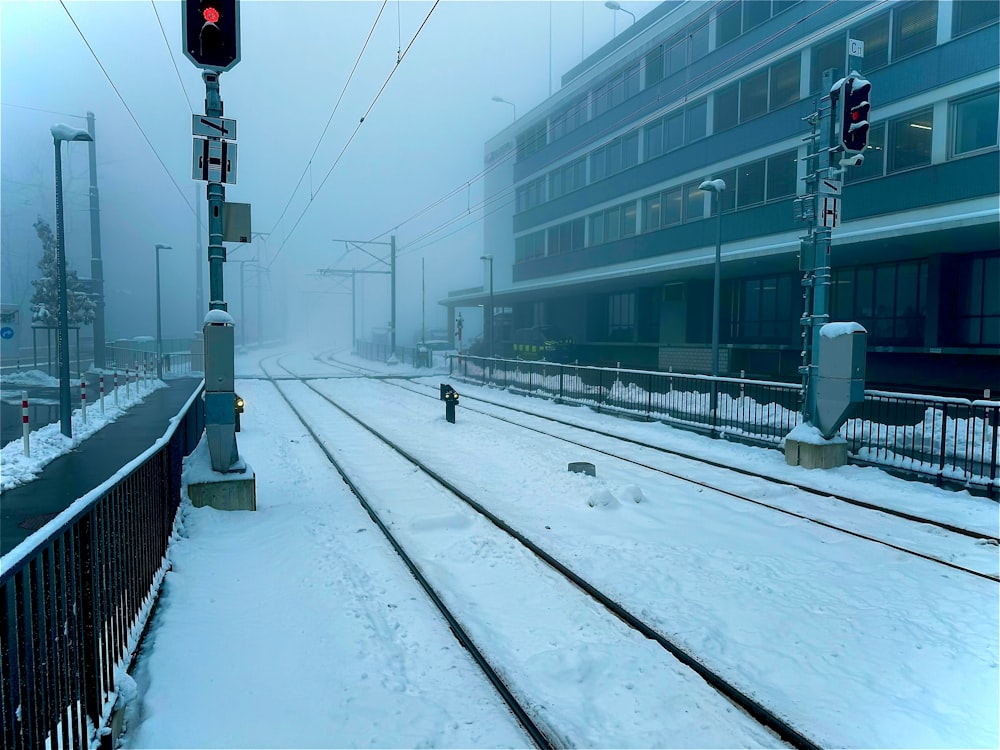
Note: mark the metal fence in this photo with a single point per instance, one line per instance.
(75, 596)
(407, 355)
(945, 440)
(174, 363)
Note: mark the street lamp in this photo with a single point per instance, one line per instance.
(492, 308)
(716, 186)
(62, 133)
(159, 335)
(612, 5)
(504, 101)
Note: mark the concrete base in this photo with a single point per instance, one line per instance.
(813, 456)
(235, 492)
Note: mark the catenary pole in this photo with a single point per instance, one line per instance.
(96, 264)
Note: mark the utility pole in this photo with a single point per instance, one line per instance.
(199, 293)
(423, 303)
(96, 264)
(392, 272)
(392, 279)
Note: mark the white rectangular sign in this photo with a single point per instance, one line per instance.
(855, 48)
(830, 212)
(213, 127)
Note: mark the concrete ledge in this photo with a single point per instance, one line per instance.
(815, 456)
(235, 492)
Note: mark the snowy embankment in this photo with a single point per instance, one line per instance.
(48, 443)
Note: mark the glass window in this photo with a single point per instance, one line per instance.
(631, 81)
(753, 96)
(729, 194)
(613, 223)
(651, 213)
(726, 114)
(699, 42)
(782, 175)
(910, 141)
(674, 133)
(628, 219)
(874, 163)
(597, 228)
(672, 200)
(785, 82)
(630, 150)
(972, 14)
(727, 24)
(974, 123)
(780, 5)
(654, 67)
(598, 165)
(566, 237)
(654, 140)
(914, 28)
(755, 12)
(694, 202)
(695, 121)
(602, 99)
(750, 187)
(553, 233)
(829, 54)
(614, 156)
(875, 35)
(978, 301)
(676, 57)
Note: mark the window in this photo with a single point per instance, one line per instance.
(974, 123)
(914, 28)
(729, 194)
(651, 213)
(617, 155)
(598, 165)
(782, 175)
(672, 201)
(726, 114)
(785, 82)
(889, 300)
(673, 132)
(764, 309)
(753, 96)
(755, 12)
(695, 121)
(910, 141)
(978, 301)
(531, 194)
(654, 66)
(654, 139)
(973, 14)
(829, 54)
(677, 55)
(602, 99)
(874, 163)
(613, 223)
(630, 150)
(597, 236)
(566, 237)
(531, 140)
(875, 35)
(698, 41)
(750, 187)
(630, 84)
(529, 246)
(621, 316)
(727, 24)
(694, 202)
(628, 219)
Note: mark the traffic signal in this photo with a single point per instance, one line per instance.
(854, 107)
(212, 33)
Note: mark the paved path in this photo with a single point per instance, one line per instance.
(27, 508)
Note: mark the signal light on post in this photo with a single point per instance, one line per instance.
(212, 33)
(854, 109)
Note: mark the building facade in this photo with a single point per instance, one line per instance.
(594, 220)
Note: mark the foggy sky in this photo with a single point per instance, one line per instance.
(423, 138)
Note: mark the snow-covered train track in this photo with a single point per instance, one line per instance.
(638, 679)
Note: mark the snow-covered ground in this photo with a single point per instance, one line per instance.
(48, 443)
(297, 626)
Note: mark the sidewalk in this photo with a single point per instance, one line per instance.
(27, 508)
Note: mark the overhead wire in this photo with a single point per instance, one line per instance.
(171, 54)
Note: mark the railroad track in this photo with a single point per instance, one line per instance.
(539, 732)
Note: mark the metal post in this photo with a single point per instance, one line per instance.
(96, 264)
(83, 398)
(243, 309)
(65, 408)
(354, 311)
(423, 303)
(199, 292)
(392, 271)
(159, 331)
(260, 323)
(716, 302)
(493, 327)
(25, 427)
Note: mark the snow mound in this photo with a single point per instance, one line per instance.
(602, 499)
(30, 377)
(633, 493)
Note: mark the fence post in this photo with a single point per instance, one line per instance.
(25, 427)
(944, 441)
(649, 396)
(562, 373)
(994, 422)
(128, 385)
(83, 398)
(102, 394)
(116, 387)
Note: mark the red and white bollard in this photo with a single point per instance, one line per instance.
(128, 385)
(83, 399)
(25, 430)
(102, 395)
(116, 389)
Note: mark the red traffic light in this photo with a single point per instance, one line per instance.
(211, 14)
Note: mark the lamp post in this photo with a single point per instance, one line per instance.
(615, 6)
(62, 133)
(492, 308)
(504, 101)
(159, 332)
(716, 187)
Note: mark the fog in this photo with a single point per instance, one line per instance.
(420, 147)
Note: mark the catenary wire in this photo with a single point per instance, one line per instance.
(171, 54)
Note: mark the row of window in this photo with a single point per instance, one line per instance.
(903, 30)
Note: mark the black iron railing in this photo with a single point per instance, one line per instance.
(135, 360)
(75, 596)
(945, 440)
(406, 355)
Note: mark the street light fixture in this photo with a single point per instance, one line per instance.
(62, 133)
(612, 5)
(504, 101)
(716, 187)
(492, 308)
(159, 333)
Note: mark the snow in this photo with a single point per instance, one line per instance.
(832, 330)
(297, 625)
(48, 443)
(807, 433)
(218, 317)
(30, 377)
(63, 132)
